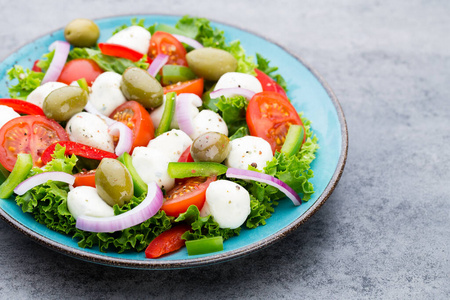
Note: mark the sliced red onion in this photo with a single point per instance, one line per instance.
(125, 137)
(267, 179)
(62, 49)
(191, 42)
(91, 109)
(141, 213)
(229, 92)
(182, 111)
(156, 65)
(42, 178)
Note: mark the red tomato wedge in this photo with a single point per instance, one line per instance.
(80, 68)
(268, 84)
(77, 149)
(269, 115)
(168, 241)
(120, 51)
(194, 86)
(28, 134)
(23, 107)
(190, 191)
(85, 178)
(35, 68)
(138, 119)
(165, 43)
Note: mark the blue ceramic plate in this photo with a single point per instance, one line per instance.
(307, 91)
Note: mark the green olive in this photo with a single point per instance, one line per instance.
(62, 103)
(113, 182)
(82, 33)
(211, 63)
(211, 147)
(140, 86)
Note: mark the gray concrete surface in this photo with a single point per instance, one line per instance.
(384, 233)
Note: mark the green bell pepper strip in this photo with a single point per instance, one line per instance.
(203, 246)
(172, 74)
(168, 113)
(140, 186)
(294, 140)
(83, 84)
(195, 169)
(23, 165)
(3, 174)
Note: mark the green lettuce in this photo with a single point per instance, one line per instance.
(27, 81)
(264, 66)
(233, 111)
(45, 61)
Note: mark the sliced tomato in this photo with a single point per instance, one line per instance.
(35, 67)
(120, 51)
(138, 119)
(190, 191)
(78, 149)
(85, 178)
(268, 84)
(194, 86)
(80, 68)
(28, 134)
(165, 43)
(186, 156)
(168, 241)
(269, 115)
(23, 107)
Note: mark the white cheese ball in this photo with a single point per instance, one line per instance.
(172, 143)
(157, 113)
(236, 79)
(91, 130)
(84, 201)
(105, 94)
(7, 114)
(151, 165)
(38, 96)
(249, 150)
(207, 121)
(133, 37)
(227, 202)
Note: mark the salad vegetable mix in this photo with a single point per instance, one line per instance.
(162, 136)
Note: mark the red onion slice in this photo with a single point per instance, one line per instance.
(191, 42)
(182, 111)
(267, 179)
(125, 137)
(156, 65)
(91, 109)
(42, 178)
(141, 213)
(62, 49)
(229, 92)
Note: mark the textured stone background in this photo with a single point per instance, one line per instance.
(385, 231)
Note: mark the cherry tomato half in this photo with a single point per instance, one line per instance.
(80, 68)
(137, 118)
(85, 178)
(35, 68)
(28, 134)
(186, 156)
(190, 191)
(269, 115)
(165, 43)
(168, 241)
(268, 84)
(194, 86)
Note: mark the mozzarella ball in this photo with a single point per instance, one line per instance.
(157, 113)
(7, 114)
(106, 95)
(91, 130)
(207, 121)
(40, 93)
(151, 165)
(227, 202)
(172, 143)
(133, 37)
(236, 79)
(249, 150)
(84, 201)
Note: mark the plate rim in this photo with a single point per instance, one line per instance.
(220, 257)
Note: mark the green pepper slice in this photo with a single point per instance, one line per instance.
(167, 116)
(203, 246)
(3, 174)
(195, 169)
(294, 140)
(140, 186)
(83, 84)
(172, 74)
(23, 165)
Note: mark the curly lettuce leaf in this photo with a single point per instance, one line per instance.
(27, 81)
(61, 162)
(233, 111)
(134, 22)
(45, 61)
